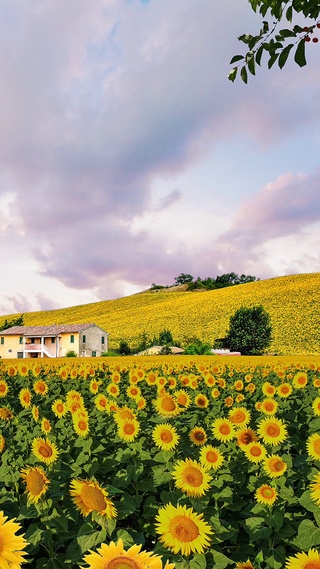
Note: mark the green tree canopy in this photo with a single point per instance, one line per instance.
(250, 331)
(279, 35)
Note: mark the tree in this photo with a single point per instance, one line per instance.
(165, 338)
(183, 278)
(13, 322)
(124, 348)
(274, 39)
(250, 331)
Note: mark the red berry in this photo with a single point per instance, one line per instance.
(315, 40)
(307, 38)
(305, 29)
(318, 25)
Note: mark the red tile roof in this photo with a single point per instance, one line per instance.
(53, 330)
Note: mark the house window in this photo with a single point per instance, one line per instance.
(20, 340)
(102, 339)
(52, 340)
(19, 355)
(84, 339)
(72, 339)
(2, 340)
(94, 354)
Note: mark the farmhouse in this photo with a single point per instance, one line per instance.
(53, 341)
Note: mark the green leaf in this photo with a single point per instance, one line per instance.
(299, 56)
(236, 58)
(88, 541)
(276, 558)
(54, 564)
(256, 528)
(198, 562)
(220, 560)
(251, 65)
(244, 74)
(259, 54)
(289, 14)
(284, 55)
(272, 60)
(308, 535)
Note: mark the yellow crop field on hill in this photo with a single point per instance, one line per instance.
(293, 303)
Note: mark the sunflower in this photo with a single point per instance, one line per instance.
(35, 413)
(80, 423)
(128, 429)
(315, 489)
(36, 482)
(167, 406)
(101, 402)
(88, 497)
(182, 530)
(300, 380)
(316, 382)
(165, 436)
(211, 456)
(269, 406)
(239, 416)
(198, 436)
(274, 466)
(223, 430)
(123, 413)
(309, 560)
(94, 386)
(182, 398)
(273, 431)
(114, 556)
(40, 387)
(141, 402)
(210, 380)
(239, 398)
(2, 443)
(23, 369)
(59, 408)
(201, 401)
(113, 390)
(246, 436)
(255, 452)
(251, 387)
(229, 401)
(265, 494)
(133, 391)
(316, 406)
(215, 393)
(268, 389)
(11, 545)
(25, 397)
(3, 388)
(5, 414)
(44, 450)
(238, 385)
(191, 477)
(284, 390)
(244, 565)
(313, 446)
(45, 425)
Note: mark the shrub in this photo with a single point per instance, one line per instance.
(250, 331)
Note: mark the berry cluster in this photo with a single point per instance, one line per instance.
(311, 30)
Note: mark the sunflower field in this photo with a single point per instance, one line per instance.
(160, 462)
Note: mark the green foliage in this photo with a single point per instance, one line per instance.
(250, 331)
(197, 348)
(124, 348)
(71, 354)
(278, 36)
(18, 321)
(183, 278)
(165, 337)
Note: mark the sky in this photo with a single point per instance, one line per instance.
(127, 157)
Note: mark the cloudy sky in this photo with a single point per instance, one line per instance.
(127, 157)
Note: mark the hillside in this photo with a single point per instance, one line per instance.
(293, 303)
